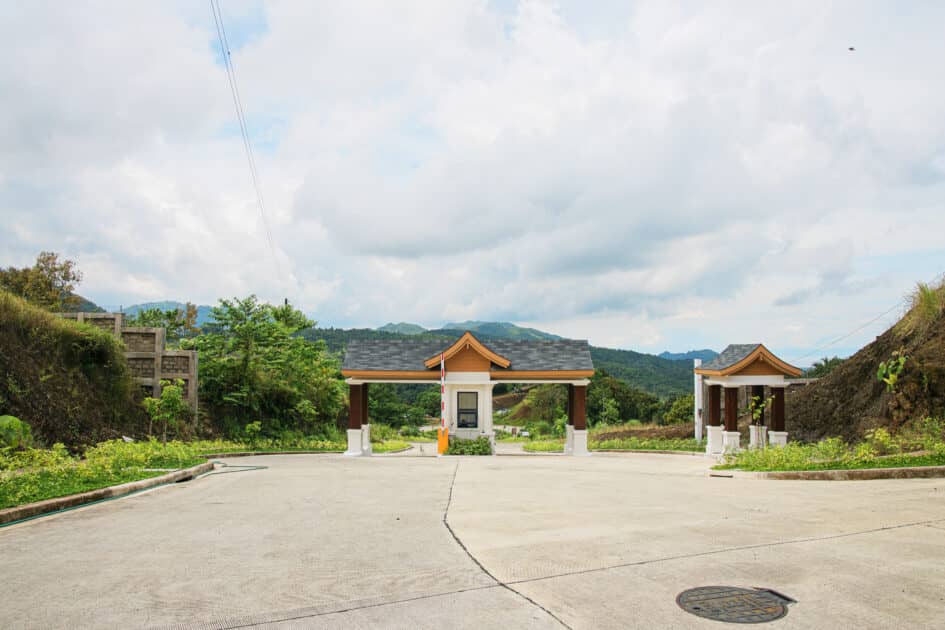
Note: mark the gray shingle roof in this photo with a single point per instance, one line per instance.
(409, 354)
(732, 354)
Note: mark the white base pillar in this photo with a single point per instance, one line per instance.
(354, 443)
(713, 441)
(579, 445)
(731, 441)
(777, 438)
(757, 435)
(568, 439)
(366, 448)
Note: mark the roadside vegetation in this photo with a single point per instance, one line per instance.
(920, 443)
(629, 443)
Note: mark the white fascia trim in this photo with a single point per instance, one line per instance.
(741, 381)
(537, 381)
(468, 378)
(404, 381)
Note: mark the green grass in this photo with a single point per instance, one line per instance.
(388, 446)
(648, 444)
(544, 446)
(33, 475)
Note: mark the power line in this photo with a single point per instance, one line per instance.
(241, 119)
(852, 332)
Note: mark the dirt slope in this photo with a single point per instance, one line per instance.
(851, 400)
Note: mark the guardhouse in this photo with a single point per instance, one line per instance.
(472, 368)
(749, 365)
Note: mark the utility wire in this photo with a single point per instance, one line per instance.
(852, 332)
(241, 119)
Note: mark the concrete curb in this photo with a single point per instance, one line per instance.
(862, 474)
(39, 508)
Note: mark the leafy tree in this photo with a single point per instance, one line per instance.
(178, 323)
(680, 410)
(823, 367)
(170, 409)
(49, 283)
(254, 366)
(610, 412)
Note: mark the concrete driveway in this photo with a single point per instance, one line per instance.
(608, 541)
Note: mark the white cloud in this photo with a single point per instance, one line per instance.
(665, 175)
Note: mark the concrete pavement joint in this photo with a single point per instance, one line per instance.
(309, 613)
(499, 582)
(728, 549)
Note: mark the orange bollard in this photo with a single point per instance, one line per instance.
(442, 440)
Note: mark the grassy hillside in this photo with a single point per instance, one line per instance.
(69, 381)
(851, 399)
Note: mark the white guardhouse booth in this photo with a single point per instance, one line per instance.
(753, 366)
(472, 368)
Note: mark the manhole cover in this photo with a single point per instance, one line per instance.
(733, 604)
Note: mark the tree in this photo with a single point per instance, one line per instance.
(170, 409)
(609, 413)
(49, 283)
(633, 403)
(178, 323)
(681, 410)
(823, 367)
(254, 366)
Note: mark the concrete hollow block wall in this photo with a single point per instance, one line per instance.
(148, 360)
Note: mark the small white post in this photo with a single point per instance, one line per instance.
(354, 443)
(697, 407)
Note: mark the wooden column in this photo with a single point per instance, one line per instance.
(580, 407)
(715, 405)
(777, 409)
(364, 405)
(731, 409)
(758, 392)
(570, 404)
(355, 406)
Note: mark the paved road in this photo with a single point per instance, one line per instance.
(533, 542)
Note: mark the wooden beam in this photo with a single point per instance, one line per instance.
(580, 407)
(777, 409)
(715, 405)
(364, 404)
(571, 404)
(354, 406)
(731, 409)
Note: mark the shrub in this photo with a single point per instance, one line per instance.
(479, 446)
(14, 433)
(543, 446)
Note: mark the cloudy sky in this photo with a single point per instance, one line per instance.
(646, 175)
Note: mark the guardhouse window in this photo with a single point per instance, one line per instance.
(467, 405)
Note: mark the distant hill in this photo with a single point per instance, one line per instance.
(82, 305)
(706, 355)
(500, 330)
(203, 312)
(648, 372)
(403, 328)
